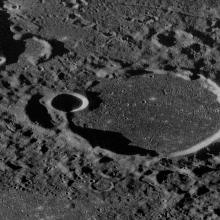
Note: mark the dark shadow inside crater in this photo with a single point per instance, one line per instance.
(66, 102)
(11, 48)
(167, 39)
(109, 140)
(94, 100)
(58, 48)
(37, 113)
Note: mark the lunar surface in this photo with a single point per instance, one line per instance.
(109, 110)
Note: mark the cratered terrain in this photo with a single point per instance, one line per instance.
(109, 109)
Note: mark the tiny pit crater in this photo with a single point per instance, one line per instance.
(167, 39)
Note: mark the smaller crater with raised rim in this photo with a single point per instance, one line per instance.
(66, 102)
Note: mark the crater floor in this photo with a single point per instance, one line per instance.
(155, 112)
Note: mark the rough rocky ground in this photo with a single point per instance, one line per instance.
(51, 166)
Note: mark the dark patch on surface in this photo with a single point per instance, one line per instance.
(105, 159)
(217, 211)
(37, 113)
(44, 148)
(202, 190)
(58, 48)
(192, 51)
(28, 133)
(5, 84)
(167, 39)
(94, 100)
(207, 153)
(206, 39)
(86, 170)
(24, 80)
(13, 166)
(197, 69)
(66, 102)
(129, 39)
(169, 67)
(163, 176)
(187, 199)
(136, 72)
(200, 171)
(109, 140)
(12, 49)
(214, 149)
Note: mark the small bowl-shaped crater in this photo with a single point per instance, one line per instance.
(69, 102)
(102, 185)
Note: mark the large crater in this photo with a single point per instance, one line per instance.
(162, 113)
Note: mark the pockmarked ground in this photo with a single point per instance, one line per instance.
(139, 139)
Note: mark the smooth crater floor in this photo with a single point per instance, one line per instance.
(156, 112)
